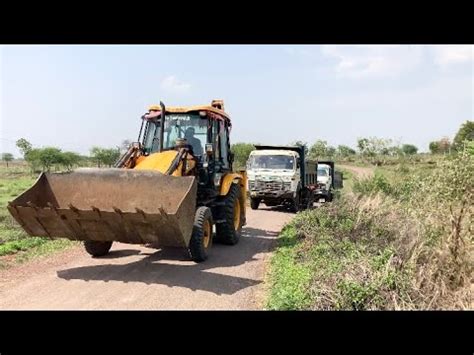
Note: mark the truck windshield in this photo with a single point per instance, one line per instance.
(189, 126)
(284, 162)
(323, 172)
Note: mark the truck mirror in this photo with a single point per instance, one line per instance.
(209, 149)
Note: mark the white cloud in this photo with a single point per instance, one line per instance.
(446, 55)
(173, 85)
(373, 61)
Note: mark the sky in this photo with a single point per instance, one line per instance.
(75, 97)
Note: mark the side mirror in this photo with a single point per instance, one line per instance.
(231, 157)
(297, 163)
(209, 149)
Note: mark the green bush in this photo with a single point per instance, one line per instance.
(377, 183)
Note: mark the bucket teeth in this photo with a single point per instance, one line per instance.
(73, 208)
(31, 204)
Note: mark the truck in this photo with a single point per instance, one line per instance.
(281, 176)
(328, 179)
(174, 187)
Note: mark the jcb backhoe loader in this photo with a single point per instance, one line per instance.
(169, 189)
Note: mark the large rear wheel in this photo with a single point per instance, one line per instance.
(96, 248)
(233, 215)
(201, 239)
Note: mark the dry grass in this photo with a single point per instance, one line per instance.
(396, 244)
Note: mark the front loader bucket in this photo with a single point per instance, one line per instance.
(130, 206)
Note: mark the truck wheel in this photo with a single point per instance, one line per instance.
(295, 206)
(254, 203)
(96, 248)
(233, 215)
(201, 239)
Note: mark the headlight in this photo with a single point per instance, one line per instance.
(286, 178)
(217, 179)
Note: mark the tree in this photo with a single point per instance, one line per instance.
(48, 157)
(442, 146)
(345, 151)
(321, 149)
(330, 151)
(32, 157)
(241, 154)
(373, 146)
(24, 146)
(7, 157)
(105, 156)
(464, 134)
(434, 147)
(409, 149)
(69, 159)
(301, 144)
(318, 149)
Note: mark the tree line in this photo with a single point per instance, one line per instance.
(372, 148)
(46, 158)
(368, 147)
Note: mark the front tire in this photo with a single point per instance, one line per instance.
(295, 207)
(233, 215)
(201, 239)
(254, 203)
(96, 248)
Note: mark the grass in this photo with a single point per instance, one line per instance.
(348, 180)
(289, 279)
(402, 240)
(13, 240)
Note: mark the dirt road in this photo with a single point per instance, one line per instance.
(136, 277)
(358, 171)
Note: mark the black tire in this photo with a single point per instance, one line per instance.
(96, 248)
(295, 207)
(227, 232)
(254, 203)
(310, 202)
(201, 239)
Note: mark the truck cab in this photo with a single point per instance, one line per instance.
(324, 176)
(327, 181)
(277, 176)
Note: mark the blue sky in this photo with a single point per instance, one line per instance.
(75, 97)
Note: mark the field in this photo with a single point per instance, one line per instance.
(15, 245)
(399, 239)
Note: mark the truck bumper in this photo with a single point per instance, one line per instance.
(272, 194)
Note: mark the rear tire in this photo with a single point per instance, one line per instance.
(254, 203)
(228, 232)
(201, 239)
(96, 248)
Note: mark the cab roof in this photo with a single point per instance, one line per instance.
(189, 109)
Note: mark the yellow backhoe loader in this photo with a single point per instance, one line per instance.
(169, 189)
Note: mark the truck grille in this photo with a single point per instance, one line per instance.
(269, 185)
